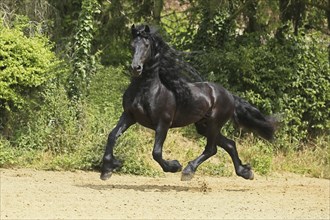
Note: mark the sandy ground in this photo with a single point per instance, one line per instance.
(30, 194)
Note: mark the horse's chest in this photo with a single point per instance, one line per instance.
(148, 105)
(139, 105)
(140, 108)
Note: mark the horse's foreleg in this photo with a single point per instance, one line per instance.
(109, 161)
(157, 153)
(230, 146)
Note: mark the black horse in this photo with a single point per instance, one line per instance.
(161, 97)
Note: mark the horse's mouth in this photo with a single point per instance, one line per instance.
(136, 73)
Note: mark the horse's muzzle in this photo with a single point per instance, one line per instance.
(137, 70)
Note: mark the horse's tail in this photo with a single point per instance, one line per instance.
(250, 118)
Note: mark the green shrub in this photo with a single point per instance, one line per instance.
(25, 63)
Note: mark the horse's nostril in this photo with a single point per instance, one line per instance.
(137, 69)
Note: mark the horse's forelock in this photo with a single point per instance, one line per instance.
(143, 30)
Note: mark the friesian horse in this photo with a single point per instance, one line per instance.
(159, 98)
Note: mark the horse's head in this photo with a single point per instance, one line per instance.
(141, 46)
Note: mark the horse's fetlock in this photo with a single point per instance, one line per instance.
(211, 152)
(107, 159)
(156, 155)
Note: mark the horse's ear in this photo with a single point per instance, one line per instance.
(133, 31)
(147, 29)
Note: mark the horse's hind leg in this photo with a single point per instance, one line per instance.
(210, 150)
(230, 147)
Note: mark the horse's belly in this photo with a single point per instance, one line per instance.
(144, 121)
(187, 117)
(198, 109)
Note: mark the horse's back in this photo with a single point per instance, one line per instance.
(216, 92)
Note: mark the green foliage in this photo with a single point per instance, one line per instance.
(7, 154)
(259, 153)
(83, 59)
(213, 31)
(289, 78)
(136, 153)
(180, 30)
(25, 64)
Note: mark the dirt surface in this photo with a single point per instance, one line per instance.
(30, 194)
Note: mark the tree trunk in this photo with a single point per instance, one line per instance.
(294, 11)
(328, 15)
(158, 7)
(252, 25)
(298, 12)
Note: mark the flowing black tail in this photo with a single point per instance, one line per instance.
(250, 118)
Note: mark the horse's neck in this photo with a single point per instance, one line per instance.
(153, 65)
(148, 78)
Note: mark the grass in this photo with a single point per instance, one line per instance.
(135, 148)
(312, 160)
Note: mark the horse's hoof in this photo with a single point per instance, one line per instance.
(187, 176)
(251, 177)
(176, 167)
(248, 175)
(172, 166)
(105, 175)
(245, 171)
(179, 169)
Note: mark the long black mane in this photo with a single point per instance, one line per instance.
(173, 70)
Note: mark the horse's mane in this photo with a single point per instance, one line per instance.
(174, 72)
